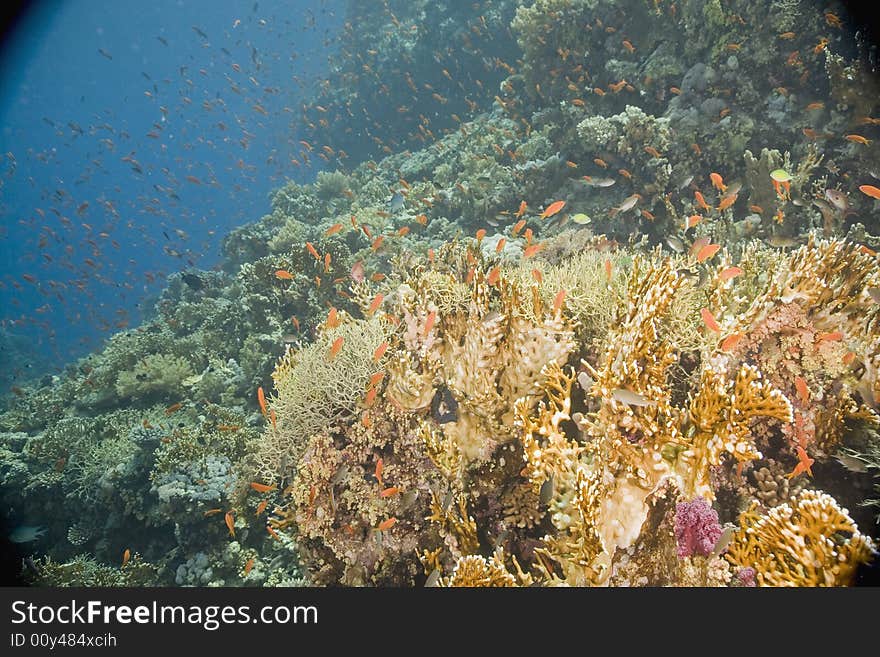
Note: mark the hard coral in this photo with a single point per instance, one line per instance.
(808, 542)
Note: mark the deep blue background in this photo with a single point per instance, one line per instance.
(106, 106)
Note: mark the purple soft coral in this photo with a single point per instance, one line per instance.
(697, 529)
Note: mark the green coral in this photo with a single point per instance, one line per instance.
(156, 374)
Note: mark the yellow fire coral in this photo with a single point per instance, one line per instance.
(810, 542)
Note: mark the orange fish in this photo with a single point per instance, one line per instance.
(653, 152)
(374, 305)
(802, 390)
(212, 512)
(494, 275)
(335, 228)
(261, 507)
(804, 463)
(717, 182)
(370, 397)
(173, 408)
(729, 272)
(380, 466)
(830, 337)
(273, 419)
(815, 106)
(125, 557)
(709, 320)
(537, 276)
(692, 221)
(701, 202)
(230, 523)
(608, 269)
(500, 246)
(388, 492)
(522, 209)
(377, 243)
(311, 249)
(262, 488)
(481, 233)
(552, 209)
(327, 260)
(519, 225)
(707, 252)
(375, 379)
(727, 201)
(334, 348)
(870, 190)
(532, 250)
(273, 533)
(284, 275)
(380, 351)
(385, 525)
(729, 343)
(248, 566)
(558, 301)
(261, 397)
(858, 139)
(429, 323)
(402, 232)
(599, 162)
(332, 319)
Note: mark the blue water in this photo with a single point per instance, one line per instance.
(134, 136)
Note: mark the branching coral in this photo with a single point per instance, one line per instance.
(809, 542)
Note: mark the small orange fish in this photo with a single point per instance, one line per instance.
(273, 533)
(830, 337)
(692, 221)
(558, 301)
(552, 209)
(858, 139)
(500, 246)
(388, 492)
(248, 566)
(284, 275)
(212, 512)
(518, 226)
(261, 507)
(377, 243)
(815, 106)
(804, 463)
(230, 523)
(709, 320)
(849, 357)
(262, 488)
(125, 557)
(717, 182)
(429, 323)
(335, 228)
(537, 276)
(334, 348)
(727, 201)
(311, 249)
(870, 190)
(729, 343)
(653, 152)
(403, 231)
(802, 390)
(173, 408)
(532, 250)
(375, 379)
(494, 276)
(523, 206)
(370, 397)
(327, 260)
(469, 278)
(707, 252)
(608, 269)
(332, 319)
(701, 202)
(261, 398)
(295, 322)
(380, 467)
(729, 272)
(599, 162)
(375, 303)
(629, 46)
(273, 419)
(380, 351)
(481, 233)
(385, 525)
